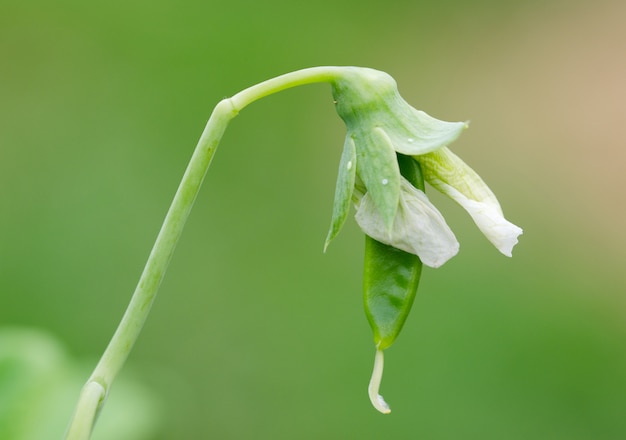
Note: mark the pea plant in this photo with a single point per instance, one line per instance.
(390, 150)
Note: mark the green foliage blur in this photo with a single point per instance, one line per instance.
(256, 333)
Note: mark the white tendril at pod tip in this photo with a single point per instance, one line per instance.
(376, 399)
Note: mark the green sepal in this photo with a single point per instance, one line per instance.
(343, 189)
(377, 167)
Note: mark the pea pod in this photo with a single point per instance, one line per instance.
(390, 281)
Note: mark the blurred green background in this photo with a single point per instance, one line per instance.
(256, 333)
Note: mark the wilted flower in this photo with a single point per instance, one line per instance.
(381, 124)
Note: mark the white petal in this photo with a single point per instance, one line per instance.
(418, 227)
(453, 177)
(489, 219)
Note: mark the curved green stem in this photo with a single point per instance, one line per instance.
(286, 81)
(97, 387)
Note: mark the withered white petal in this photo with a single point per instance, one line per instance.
(419, 228)
(449, 174)
(489, 219)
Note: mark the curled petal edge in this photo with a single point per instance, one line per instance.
(489, 219)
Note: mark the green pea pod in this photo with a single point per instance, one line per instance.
(391, 276)
(391, 279)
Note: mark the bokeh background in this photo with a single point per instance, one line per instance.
(256, 333)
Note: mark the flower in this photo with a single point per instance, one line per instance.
(380, 124)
